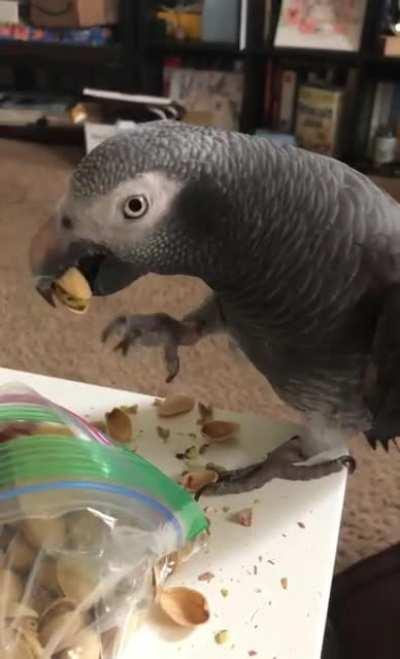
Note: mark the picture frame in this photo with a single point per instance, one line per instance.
(321, 24)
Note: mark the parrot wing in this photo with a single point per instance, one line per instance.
(382, 384)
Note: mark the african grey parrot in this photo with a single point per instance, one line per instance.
(302, 254)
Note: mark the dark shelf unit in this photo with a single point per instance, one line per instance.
(37, 52)
(135, 63)
(311, 55)
(71, 135)
(193, 48)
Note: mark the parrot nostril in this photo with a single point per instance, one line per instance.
(67, 222)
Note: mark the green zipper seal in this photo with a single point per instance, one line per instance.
(16, 413)
(50, 458)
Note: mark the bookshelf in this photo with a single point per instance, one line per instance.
(45, 53)
(135, 62)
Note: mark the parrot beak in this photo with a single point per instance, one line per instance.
(51, 255)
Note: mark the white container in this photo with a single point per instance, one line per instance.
(385, 149)
(221, 20)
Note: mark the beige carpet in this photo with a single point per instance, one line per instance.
(34, 338)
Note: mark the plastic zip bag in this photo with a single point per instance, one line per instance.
(84, 524)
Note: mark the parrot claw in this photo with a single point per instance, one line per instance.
(283, 463)
(153, 330)
(347, 461)
(116, 325)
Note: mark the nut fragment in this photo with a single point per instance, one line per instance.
(19, 555)
(175, 405)
(56, 608)
(21, 616)
(19, 644)
(221, 637)
(109, 642)
(244, 517)
(219, 431)
(206, 576)
(130, 409)
(59, 629)
(6, 535)
(86, 531)
(284, 583)
(17, 610)
(39, 598)
(206, 413)
(168, 564)
(44, 532)
(85, 645)
(186, 607)
(73, 290)
(46, 575)
(11, 587)
(190, 454)
(119, 425)
(163, 433)
(53, 429)
(78, 575)
(194, 480)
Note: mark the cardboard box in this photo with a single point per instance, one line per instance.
(73, 13)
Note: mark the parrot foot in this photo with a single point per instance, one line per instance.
(153, 330)
(280, 463)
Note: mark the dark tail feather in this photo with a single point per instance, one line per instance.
(385, 429)
(374, 440)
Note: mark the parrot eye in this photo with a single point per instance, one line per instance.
(135, 207)
(67, 222)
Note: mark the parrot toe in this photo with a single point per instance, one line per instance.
(153, 330)
(283, 463)
(349, 462)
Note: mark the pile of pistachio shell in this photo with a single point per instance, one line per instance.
(56, 597)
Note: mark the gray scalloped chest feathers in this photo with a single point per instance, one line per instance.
(302, 252)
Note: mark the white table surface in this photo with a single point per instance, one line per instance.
(258, 613)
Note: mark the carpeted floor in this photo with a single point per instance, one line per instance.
(34, 338)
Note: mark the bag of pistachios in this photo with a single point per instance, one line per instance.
(83, 526)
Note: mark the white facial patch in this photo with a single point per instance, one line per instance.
(102, 219)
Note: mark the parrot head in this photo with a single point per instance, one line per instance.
(147, 200)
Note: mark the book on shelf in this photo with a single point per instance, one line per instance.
(170, 64)
(318, 119)
(269, 72)
(288, 99)
(321, 24)
(280, 97)
(93, 36)
(272, 94)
